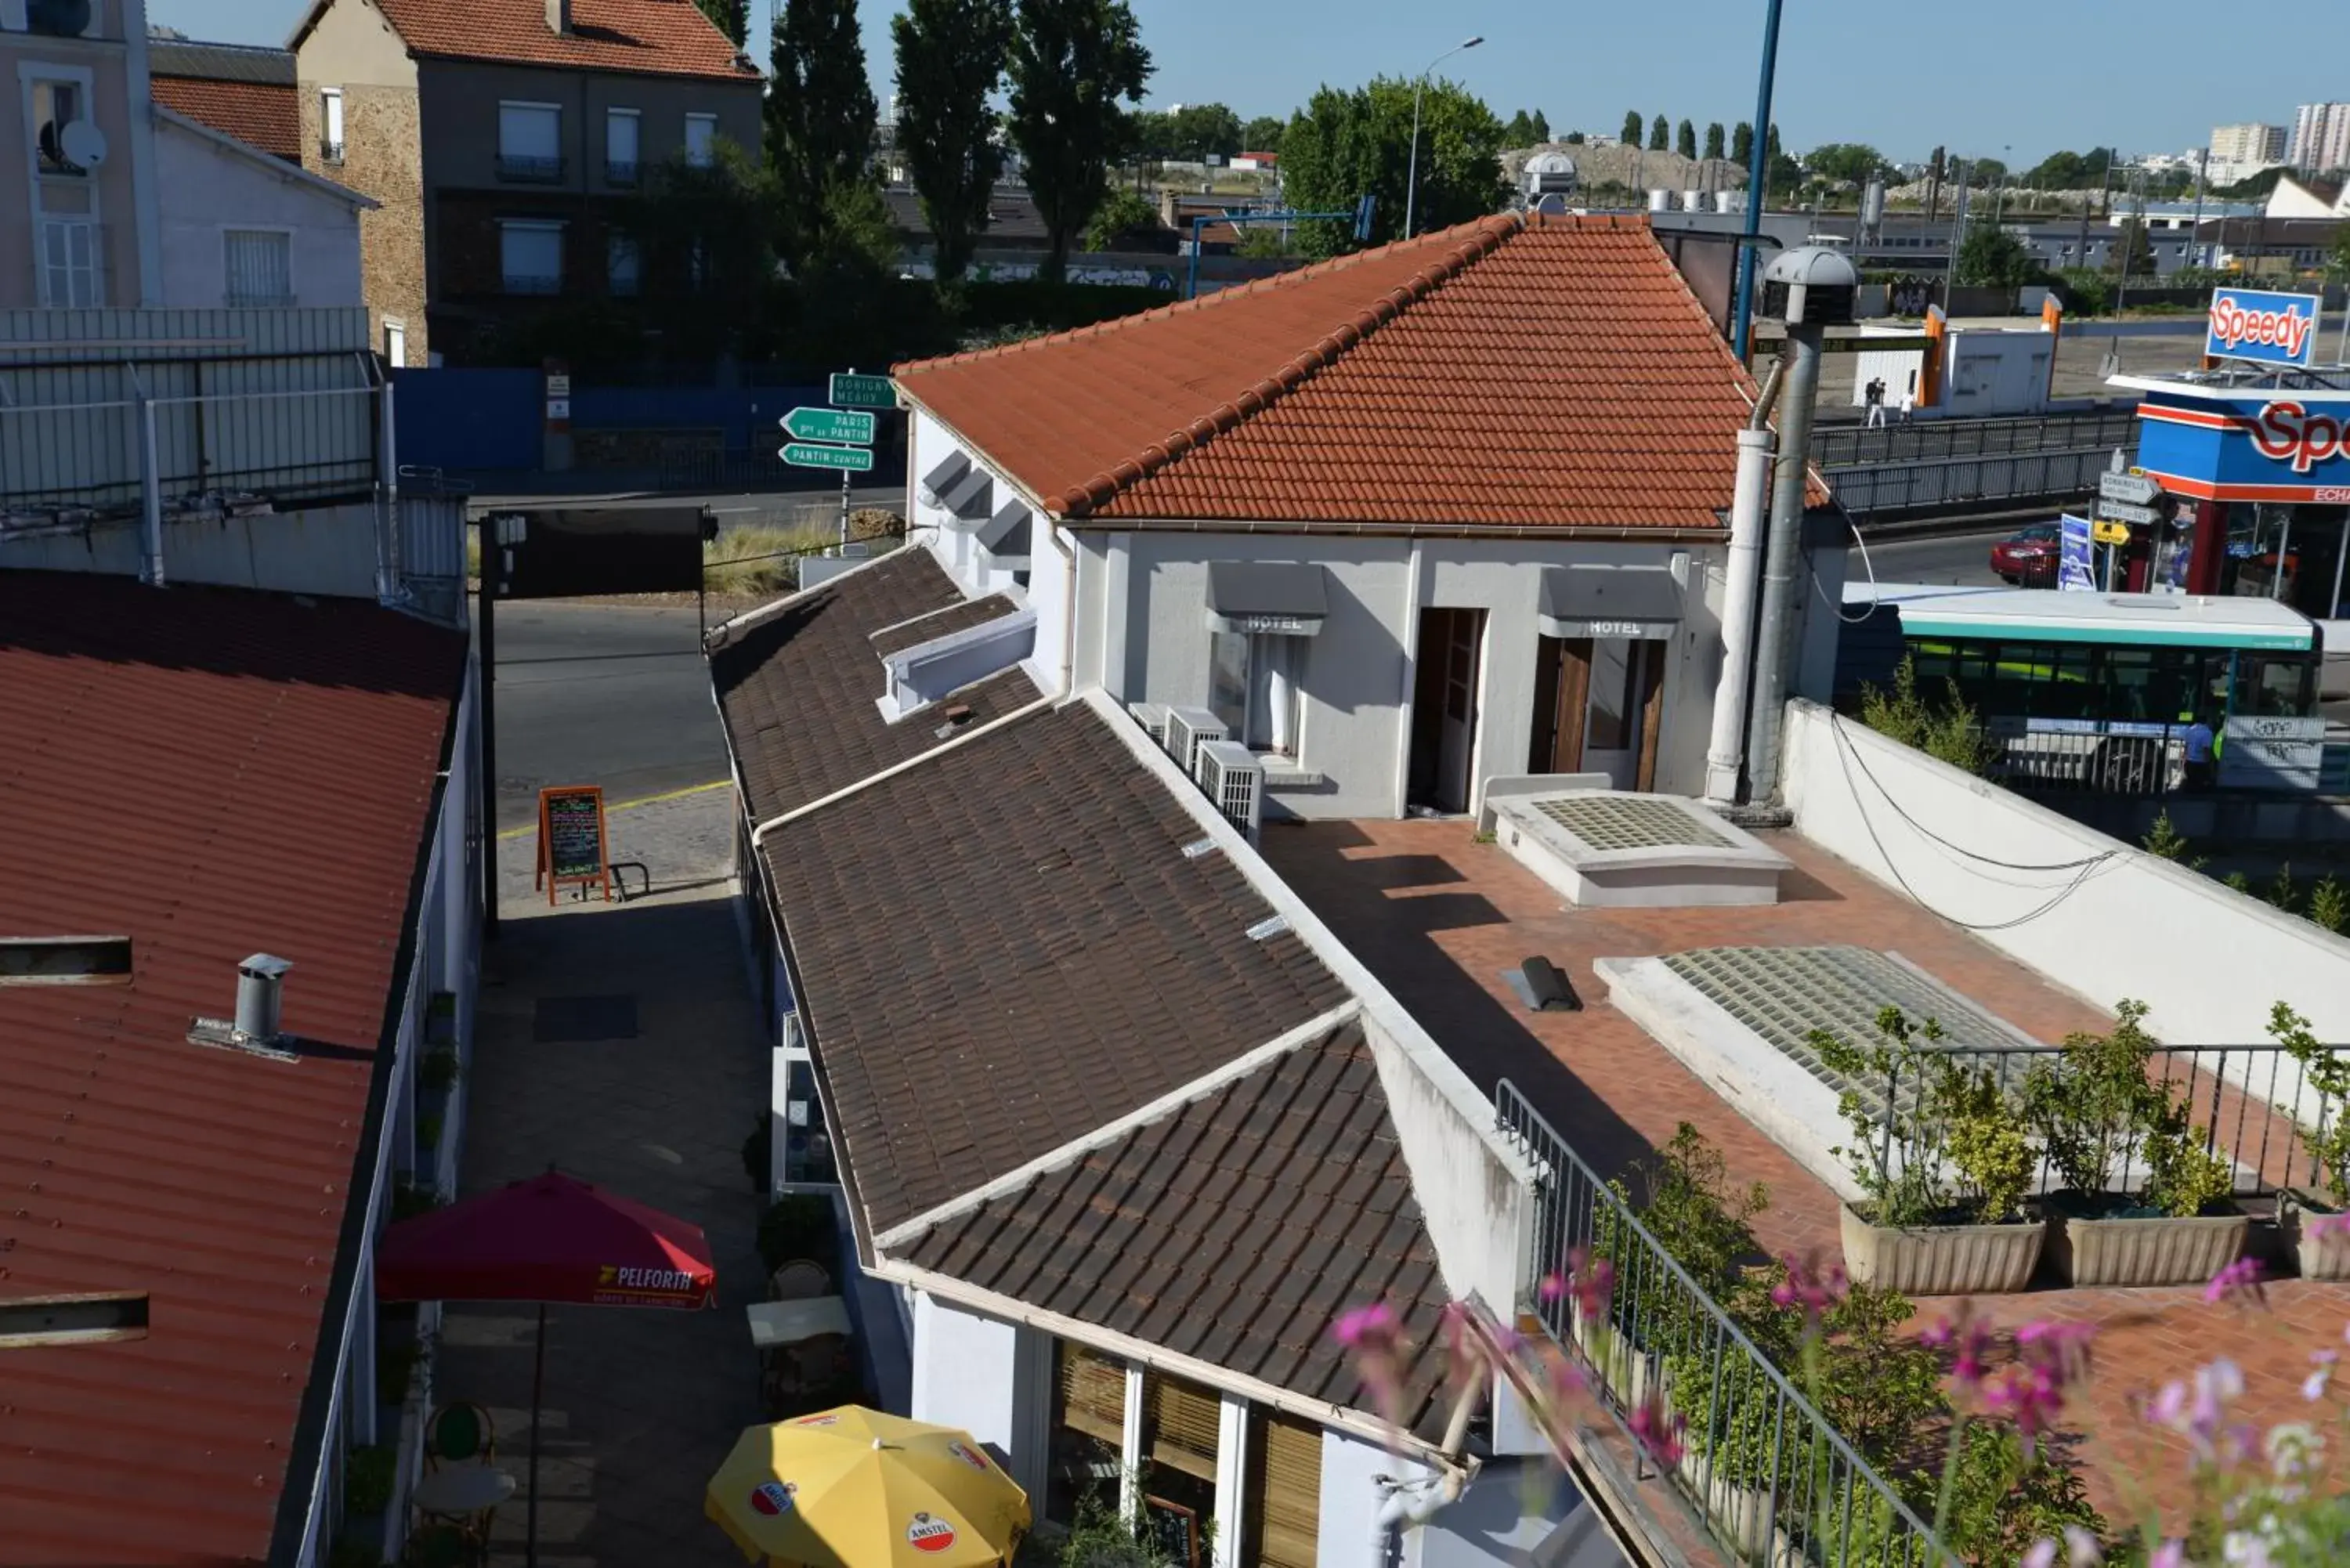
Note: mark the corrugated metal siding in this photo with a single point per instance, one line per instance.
(179, 334)
(432, 536)
(212, 773)
(296, 442)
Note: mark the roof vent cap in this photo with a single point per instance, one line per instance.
(260, 982)
(1811, 286)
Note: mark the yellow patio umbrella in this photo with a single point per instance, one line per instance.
(854, 1487)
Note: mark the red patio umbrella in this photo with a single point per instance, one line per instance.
(552, 1238)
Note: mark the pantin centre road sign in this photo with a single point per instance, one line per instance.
(828, 424)
(808, 454)
(855, 391)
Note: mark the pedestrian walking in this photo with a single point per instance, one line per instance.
(1874, 396)
(1909, 403)
(2197, 745)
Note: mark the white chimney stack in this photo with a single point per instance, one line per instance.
(260, 979)
(558, 16)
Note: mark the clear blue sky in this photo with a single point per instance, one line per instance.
(2148, 76)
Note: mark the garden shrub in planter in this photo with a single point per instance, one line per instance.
(2325, 1256)
(1914, 1231)
(2093, 1107)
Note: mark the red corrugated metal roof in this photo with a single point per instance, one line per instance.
(1554, 371)
(212, 773)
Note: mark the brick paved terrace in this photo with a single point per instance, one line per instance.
(1439, 916)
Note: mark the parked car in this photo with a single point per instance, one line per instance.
(2028, 556)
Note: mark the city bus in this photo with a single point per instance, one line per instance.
(2096, 691)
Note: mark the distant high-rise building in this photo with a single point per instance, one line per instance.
(2257, 145)
(2321, 138)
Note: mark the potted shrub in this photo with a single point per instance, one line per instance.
(1943, 1172)
(2325, 1256)
(2095, 1107)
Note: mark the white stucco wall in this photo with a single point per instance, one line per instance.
(989, 1377)
(1153, 641)
(2122, 931)
(207, 189)
(1047, 568)
(1351, 1499)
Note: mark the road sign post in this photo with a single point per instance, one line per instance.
(2131, 489)
(2124, 511)
(829, 425)
(851, 390)
(813, 454)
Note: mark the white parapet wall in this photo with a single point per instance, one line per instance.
(2099, 918)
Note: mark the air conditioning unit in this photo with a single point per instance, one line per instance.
(1234, 781)
(1151, 716)
(1186, 729)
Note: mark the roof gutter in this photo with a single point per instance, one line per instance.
(1619, 532)
(1354, 1423)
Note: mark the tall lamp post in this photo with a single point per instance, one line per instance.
(1411, 179)
(1757, 175)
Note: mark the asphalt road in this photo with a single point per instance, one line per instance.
(1963, 558)
(606, 694)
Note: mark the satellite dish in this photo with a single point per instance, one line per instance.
(83, 143)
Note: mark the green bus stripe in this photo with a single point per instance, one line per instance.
(1914, 625)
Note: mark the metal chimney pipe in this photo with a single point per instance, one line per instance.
(259, 981)
(1725, 752)
(1782, 555)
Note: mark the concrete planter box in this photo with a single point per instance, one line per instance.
(2326, 1259)
(1625, 1370)
(1942, 1260)
(2161, 1251)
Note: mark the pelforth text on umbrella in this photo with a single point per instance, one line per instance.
(810, 454)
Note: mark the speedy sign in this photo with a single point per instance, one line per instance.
(2268, 328)
(2251, 444)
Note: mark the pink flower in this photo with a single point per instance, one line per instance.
(2202, 1413)
(2170, 1555)
(2050, 1357)
(1805, 1287)
(2312, 1387)
(1969, 1341)
(1589, 1281)
(2239, 1281)
(2081, 1548)
(2042, 1555)
(1657, 1431)
(1371, 1330)
(2325, 1227)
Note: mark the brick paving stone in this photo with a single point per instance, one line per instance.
(1438, 916)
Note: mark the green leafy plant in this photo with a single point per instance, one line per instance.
(757, 1151)
(2183, 1178)
(427, 1132)
(367, 1479)
(798, 1225)
(2282, 892)
(2000, 1504)
(1948, 732)
(2329, 904)
(438, 1071)
(409, 1198)
(1101, 1537)
(349, 1551)
(1685, 1201)
(1954, 1121)
(2166, 841)
(2237, 882)
(2329, 1142)
(2089, 1104)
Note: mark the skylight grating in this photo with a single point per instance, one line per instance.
(1631, 821)
(1782, 994)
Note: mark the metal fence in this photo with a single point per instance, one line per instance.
(102, 457)
(1922, 484)
(1772, 1479)
(2041, 763)
(2246, 1105)
(1849, 446)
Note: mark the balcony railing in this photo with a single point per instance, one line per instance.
(246, 298)
(532, 283)
(529, 170)
(620, 171)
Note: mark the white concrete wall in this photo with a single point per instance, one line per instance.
(1153, 641)
(929, 444)
(964, 1364)
(2207, 962)
(207, 189)
(1351, 1499)
(325, 550)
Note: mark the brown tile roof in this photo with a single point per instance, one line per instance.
(797, 690)
(650, 37)
(262, 115)
(212, 773)
(1234, 1230)
(939, 623)
(1554, 372)
(1005, 949)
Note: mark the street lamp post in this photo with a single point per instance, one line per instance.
(1758, 171)
(1411, 179)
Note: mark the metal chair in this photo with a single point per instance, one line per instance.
(460, 1432)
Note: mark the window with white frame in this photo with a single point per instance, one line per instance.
(56, 104)
(530, 141)
(259, 263)
(623, 266)
(330, 124)
(700, 139)
(620, 148)
(1253, 679)
(395, 344)
(72, 271)
(530, 257)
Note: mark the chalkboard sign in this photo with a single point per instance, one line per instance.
(571, 845)
(1174, 1532)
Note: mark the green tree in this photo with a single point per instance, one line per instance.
(2131, 249)
(731, 17)
(1984, 173)
(1202, 130)
(1741, 143)
(1685, 139)
(1771, 148)
(1075, 63)
(1714, 140)
(1263, 134)
(1632, 123)
(1853, 162)
(1661, 134)
(1574, 139)
(1520, 130)
(701, 234)
(1265, 242)
(1541, 126)
(951, 57)
(1121, 212)
(1994, 258)
(1346, 144)
(819, 117)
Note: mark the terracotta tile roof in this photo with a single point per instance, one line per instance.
(260, 114)
(941, 623)
(797, 690)
(1552, 373)
(1234, 1230)
(650, 37)
(212, 773)
(1005, 949)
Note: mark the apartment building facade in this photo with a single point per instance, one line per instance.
(2321, 138)
(77, 156)
(502, 141)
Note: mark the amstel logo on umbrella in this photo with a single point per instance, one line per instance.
(930, 1533)
(773, 1498)
(971, 1456)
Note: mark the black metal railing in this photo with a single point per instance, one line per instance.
(2039, 762)
(1767, 1474)
(620, 171)
(531, 283)
(527, 168)
(1849, 446)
